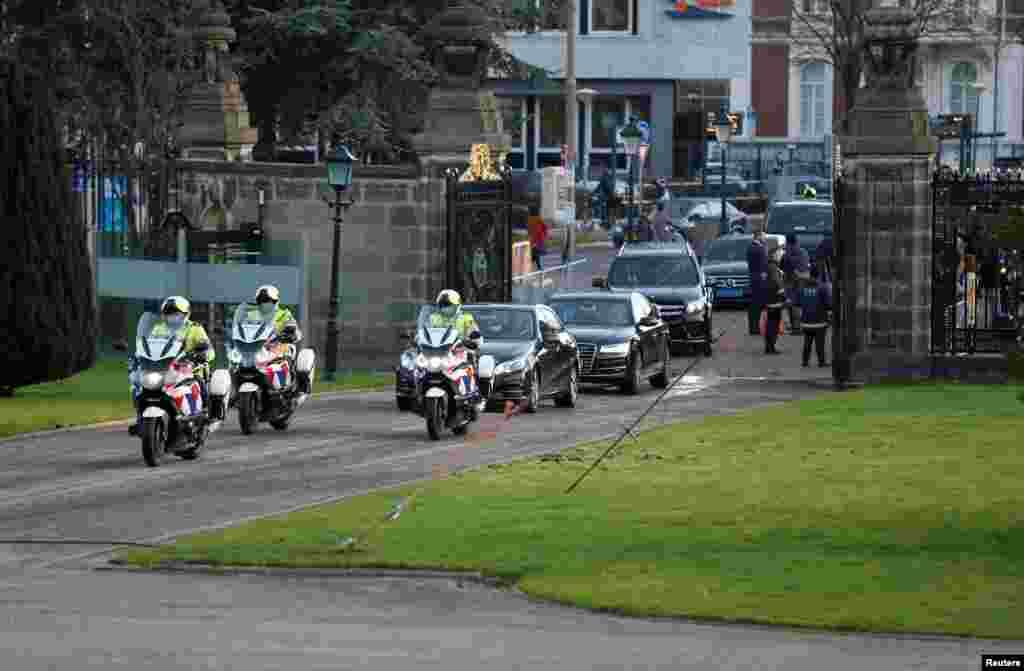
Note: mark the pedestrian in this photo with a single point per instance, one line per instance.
(538, 232)
(824, 258)
(645, 226)
(757, 266)
(816, 301)
(796, 266)
(663, 223)
(775, 300)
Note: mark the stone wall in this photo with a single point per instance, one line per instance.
(392, 243)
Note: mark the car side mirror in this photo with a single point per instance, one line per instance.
(599, 282)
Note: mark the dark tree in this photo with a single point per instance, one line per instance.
(47, 312)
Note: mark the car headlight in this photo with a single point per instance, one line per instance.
(408, 360)
(234, 356)
(618, 348)
(694, 308)
(511, 366)
(153, 380)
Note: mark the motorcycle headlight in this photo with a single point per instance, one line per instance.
(421, 361)
(435, 363)
(618, 348)
(694, 308)
(408, 360)
(511, 366)
(234, 357)
(152, 380)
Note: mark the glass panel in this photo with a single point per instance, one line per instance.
(956, 102)
(610, 15)
(640, 106)
(552, 16)
(606, 113)
(805, 109)
(510, 109)
(552, 121)
(813, 72)
(819, 109)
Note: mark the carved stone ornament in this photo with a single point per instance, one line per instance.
(214, 33)
(460, 52)
(890, 45)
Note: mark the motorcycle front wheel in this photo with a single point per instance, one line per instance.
(153, 441)
(435, 416)
(247, 412)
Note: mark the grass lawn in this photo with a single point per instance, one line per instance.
(102, 394)
(896, 508)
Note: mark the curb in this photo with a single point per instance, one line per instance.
(326, 395)
(210, 569)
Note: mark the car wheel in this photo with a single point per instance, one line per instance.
(661, 379)
(533, 394)
(571, 395)
(707, 336)
(632, 383)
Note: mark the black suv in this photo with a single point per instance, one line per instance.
(669, 275)
(809, 220)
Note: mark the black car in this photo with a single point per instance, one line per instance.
(725, 267)
(620, 337)
(686, 212)
(669, 275)
(809, 220)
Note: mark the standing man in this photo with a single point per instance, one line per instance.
(757, 266)
(538, 232)
(775, 299)
(796, 266)
(663, 223)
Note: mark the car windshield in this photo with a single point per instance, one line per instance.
(504, 324)
(593, 312)
(800, 218)
(724, 251)
(653, 271)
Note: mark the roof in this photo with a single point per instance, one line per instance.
(813, 203)
(654, 249)
(507, 306)
(590, 295)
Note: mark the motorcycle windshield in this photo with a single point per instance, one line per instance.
(156, 340)
(435, 328)
(250, 325)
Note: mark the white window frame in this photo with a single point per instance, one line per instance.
(630, 21)
(825, 87)
(966, 96)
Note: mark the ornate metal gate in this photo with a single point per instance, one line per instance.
(479, 247)
(977, 235)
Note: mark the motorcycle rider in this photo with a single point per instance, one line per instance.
(175, 312)
(268, 300)
(448, 302)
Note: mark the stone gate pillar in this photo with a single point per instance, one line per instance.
(883, 232)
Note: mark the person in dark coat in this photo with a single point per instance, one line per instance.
(796, 266)
(824, 258)
(775, 300)
(816, 301)
(757, 266)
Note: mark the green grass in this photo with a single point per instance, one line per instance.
(103, 394)
(889, 508)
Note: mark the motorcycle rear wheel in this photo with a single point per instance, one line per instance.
(153, 441)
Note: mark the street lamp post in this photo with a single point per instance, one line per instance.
(585, 96)
(631, 137)
(723, 128)
(339, 176)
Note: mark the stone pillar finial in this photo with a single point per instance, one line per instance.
(214, 33)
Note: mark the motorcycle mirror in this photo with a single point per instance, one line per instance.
(120, 346)
(475, 334)
(203, 346)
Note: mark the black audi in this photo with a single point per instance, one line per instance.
(535, 356)
(620, 337)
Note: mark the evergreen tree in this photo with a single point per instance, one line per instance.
(47, 313)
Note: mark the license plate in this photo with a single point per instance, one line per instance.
(730, 292)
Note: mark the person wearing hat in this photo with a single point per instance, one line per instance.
(796, 267)
(268, 300)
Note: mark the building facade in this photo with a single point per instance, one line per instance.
(968, 63)
(667, 62)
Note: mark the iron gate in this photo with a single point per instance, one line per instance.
(479, 238)
(977, 226)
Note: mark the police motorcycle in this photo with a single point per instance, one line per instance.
(172, 416)
(450, 387)
(269, 379)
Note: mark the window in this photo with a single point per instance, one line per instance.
(639, 271)
(607, 112)
(815, 104)
(552, 121)
(551, 16)
(510, 110)
(963, 97)
(641, 308)
(611, 16)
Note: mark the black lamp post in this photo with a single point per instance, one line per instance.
(631, 137)
(723, 128)
(339, 175)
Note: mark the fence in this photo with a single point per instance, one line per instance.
(537, 287)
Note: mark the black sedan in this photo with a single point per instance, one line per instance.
(620, 337)
(535, 357)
